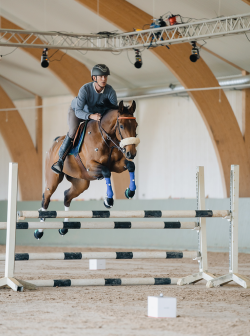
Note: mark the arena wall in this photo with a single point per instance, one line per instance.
(174, 140)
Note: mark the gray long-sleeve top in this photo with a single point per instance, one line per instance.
(84, 104)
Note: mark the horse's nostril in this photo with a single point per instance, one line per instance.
(128, 155)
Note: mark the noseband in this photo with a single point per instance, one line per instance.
(127, 141)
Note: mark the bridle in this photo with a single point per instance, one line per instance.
(118, 124)
(102, 130)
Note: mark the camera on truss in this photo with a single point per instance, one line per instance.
(158, 23)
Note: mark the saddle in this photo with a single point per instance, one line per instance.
(78, 133)
(77, 143)
(79, 138)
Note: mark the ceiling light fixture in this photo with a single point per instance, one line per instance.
(44, 58)
(195, 54)
(138, 59)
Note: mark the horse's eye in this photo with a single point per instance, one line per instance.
(121, 126)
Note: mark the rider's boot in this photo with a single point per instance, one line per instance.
(63, 152)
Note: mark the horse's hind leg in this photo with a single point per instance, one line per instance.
(78, 186)
(51, 185)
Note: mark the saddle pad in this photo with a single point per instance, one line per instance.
(75, 150)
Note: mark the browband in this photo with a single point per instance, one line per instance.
(126, 118)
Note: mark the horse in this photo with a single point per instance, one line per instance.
(109, 146)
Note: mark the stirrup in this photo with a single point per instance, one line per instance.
(57, 167)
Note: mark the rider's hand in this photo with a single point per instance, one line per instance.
(96, 116)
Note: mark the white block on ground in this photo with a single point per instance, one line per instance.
(96, 264)
(160, 306)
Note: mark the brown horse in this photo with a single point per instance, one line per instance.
(108, 146)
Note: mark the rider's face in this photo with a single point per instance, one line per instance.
(101, 80)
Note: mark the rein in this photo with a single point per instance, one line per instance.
(102, 130)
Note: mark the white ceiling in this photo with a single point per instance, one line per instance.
(70, 16)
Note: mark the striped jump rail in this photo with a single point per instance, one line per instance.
(123, 214)
(104, 282)
(104, 255)
(102, 225)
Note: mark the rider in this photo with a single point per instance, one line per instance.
(83, 108)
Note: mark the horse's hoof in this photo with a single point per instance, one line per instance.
(38, 234)
(108, 202)
(129, 193)
(63, 231)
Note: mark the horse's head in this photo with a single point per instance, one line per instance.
(126, 130)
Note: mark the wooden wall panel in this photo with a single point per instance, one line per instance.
(15, 133)
(21, 149)
(246, 118)
(39, 129)
(216, 113)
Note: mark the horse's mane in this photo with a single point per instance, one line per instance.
(106, 105)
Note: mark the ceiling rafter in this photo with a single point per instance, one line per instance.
(17, 23)
(70, 71)
(18, 85)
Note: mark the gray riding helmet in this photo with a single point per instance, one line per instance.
(100, 70)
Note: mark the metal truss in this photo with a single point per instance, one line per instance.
(180, 33)
(54, 40)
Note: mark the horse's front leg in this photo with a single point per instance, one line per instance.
(96, 169)
(108, 200)
(120, 167)
(130, 191)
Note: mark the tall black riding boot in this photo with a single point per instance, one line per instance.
(63, 152)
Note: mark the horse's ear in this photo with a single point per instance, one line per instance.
(132, 107)
(121, 106)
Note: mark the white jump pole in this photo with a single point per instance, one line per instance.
(22, 215)
(11, 231)
(233, 237)
(202, 235)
